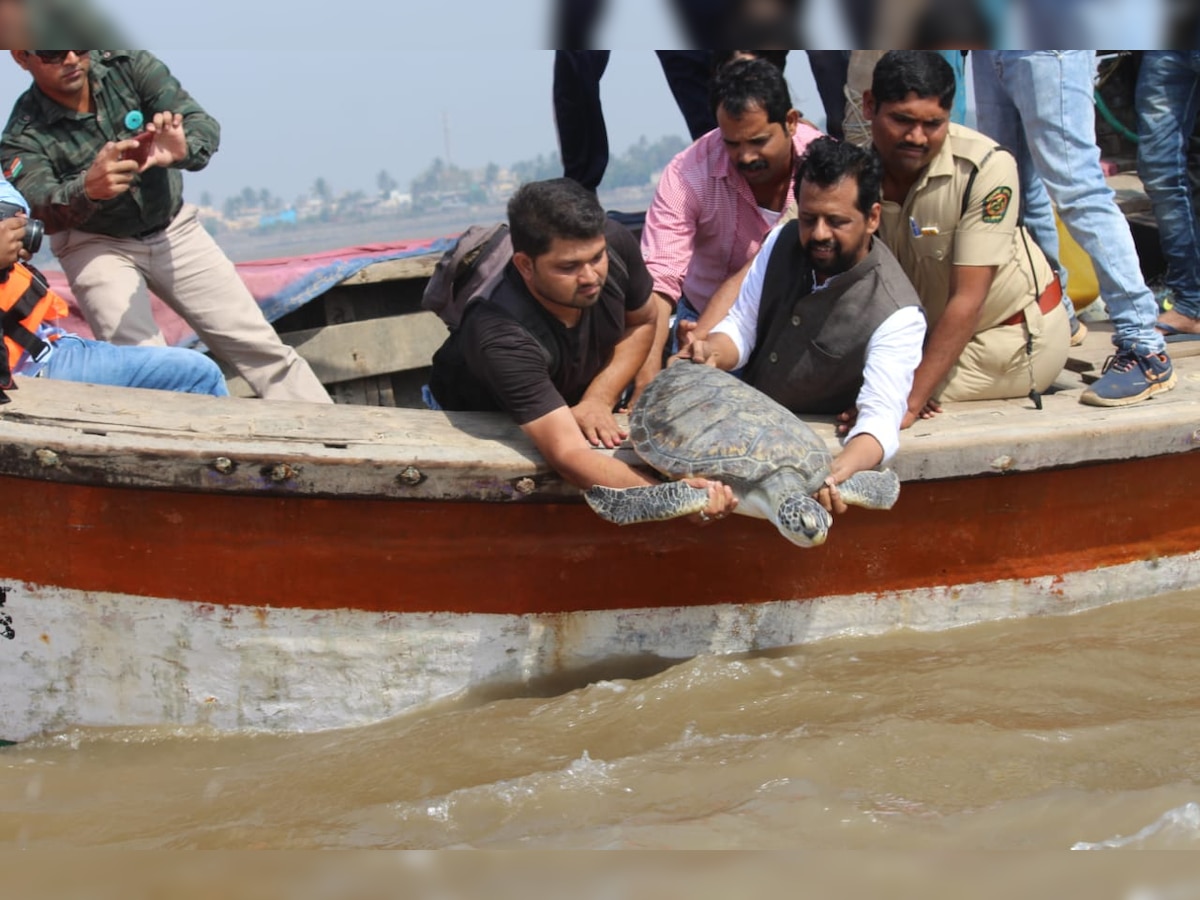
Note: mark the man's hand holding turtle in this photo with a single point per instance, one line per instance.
(721, 501)
(699, 351)
(830, 497)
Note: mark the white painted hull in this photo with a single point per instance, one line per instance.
(104, 659)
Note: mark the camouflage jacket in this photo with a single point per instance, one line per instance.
(47, 149)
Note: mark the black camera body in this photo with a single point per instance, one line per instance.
(34, 228)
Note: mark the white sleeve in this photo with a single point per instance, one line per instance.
(893, 354)
(741, 322)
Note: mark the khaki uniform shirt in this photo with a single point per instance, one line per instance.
(47, 149)
(929, 233)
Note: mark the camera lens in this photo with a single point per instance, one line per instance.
(34, 229)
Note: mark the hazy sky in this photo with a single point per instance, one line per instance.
(343, 89)
(344, 112)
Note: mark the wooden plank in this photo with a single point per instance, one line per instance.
(238, 386)
(160, 439)
(387, 395)
(119, 436)
(341, 354)
(1183, 349)
(100, 409)
(339, 310)
(395, 269)
(156, 412)
(371, 347)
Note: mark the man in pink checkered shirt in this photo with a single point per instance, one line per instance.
(717, 200)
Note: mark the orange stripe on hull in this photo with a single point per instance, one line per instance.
(398, 556)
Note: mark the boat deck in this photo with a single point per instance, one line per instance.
(97, 435)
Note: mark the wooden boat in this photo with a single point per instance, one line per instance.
(237, 564)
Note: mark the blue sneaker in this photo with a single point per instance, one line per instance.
(1127, 378)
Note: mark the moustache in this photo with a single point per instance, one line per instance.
(757, 166)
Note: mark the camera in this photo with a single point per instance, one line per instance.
(34, 228)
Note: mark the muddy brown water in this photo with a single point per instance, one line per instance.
(1050, 733)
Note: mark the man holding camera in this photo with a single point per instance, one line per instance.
(96, 145)
(33, 346)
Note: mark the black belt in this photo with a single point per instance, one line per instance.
(152, 232)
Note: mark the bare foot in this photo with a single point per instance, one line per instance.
(1178, 323)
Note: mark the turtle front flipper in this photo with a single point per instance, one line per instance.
(652, 503)
(871, 490)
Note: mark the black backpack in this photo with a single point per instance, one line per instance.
(468, 271)
(472, 269)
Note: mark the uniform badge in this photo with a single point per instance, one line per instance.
(14, 169)
(995, 205)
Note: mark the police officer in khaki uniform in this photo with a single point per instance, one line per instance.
(951, 216)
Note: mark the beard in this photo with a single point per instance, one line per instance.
(835, 264)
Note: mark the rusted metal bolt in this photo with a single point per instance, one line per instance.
(526, 486)
(48, 458)
(411, 476)
(282, 472)
(223, 464)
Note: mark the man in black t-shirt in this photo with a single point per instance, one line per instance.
(561, 337)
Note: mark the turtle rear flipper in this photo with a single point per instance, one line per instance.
(872, 490)
(652, 503)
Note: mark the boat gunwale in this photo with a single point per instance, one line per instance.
(343, 451)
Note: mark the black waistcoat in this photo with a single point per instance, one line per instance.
(811, 345)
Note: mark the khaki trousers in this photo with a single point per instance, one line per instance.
(184, 266)
(995, 366)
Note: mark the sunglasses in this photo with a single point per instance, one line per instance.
(56, 57)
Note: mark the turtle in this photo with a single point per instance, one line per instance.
(697, 421)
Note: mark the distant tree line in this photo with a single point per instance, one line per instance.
(636, 167)
(641, 162)
(443, 183)
(261, 201)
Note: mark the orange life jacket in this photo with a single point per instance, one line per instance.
(25, 302)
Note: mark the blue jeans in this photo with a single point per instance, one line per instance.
(1084, 23)
(958, 110)
(684, 312)
(1039, 105)
(1168, 96)
(158, 368)
(430, 400)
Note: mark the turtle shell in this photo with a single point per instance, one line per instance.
(695, 420)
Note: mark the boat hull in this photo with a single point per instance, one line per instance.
(153, 607)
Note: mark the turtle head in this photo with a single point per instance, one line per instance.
(802, 520)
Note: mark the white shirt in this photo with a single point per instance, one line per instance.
(771, 216)
(893, 354)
